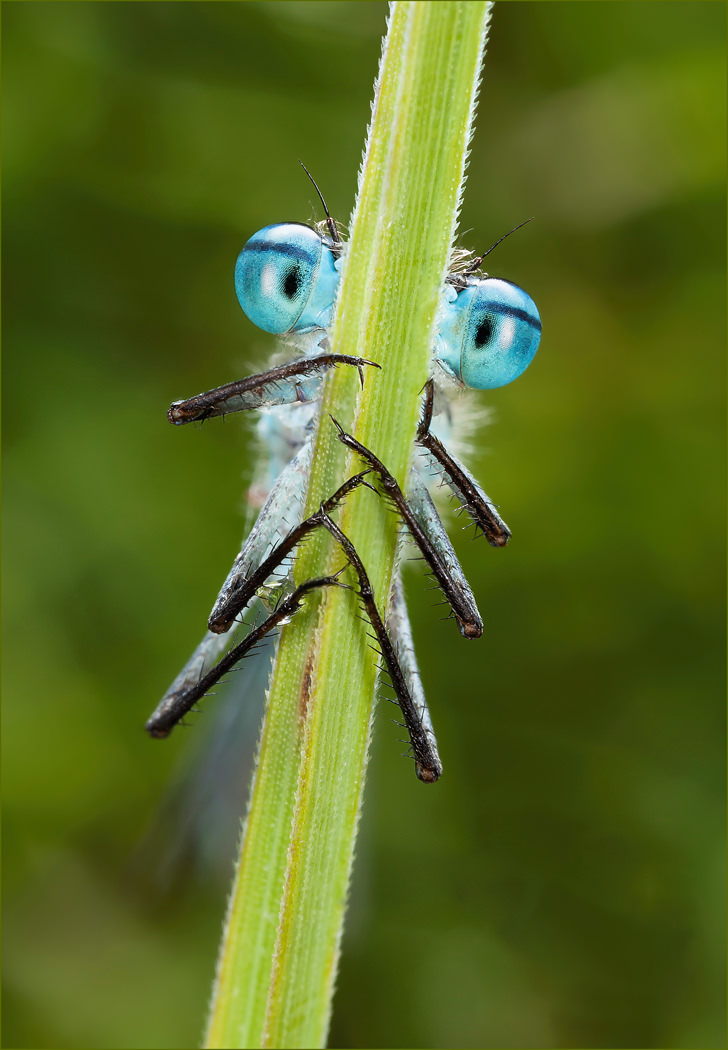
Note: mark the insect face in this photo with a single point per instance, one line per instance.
(286, 279)
(489, 333)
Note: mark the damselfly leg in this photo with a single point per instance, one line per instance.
(459, 480)
(178, 703)
(296, 381)
(403, 674)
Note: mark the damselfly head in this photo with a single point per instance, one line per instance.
(286, 279)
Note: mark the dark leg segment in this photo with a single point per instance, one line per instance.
(175, 706)
(242, 592)
(400, 632)
(425, 512)
(461, 601)
(427, 761)
(286, 498)
(296, 381)
(463, 484)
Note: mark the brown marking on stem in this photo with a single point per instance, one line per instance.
(306, 689)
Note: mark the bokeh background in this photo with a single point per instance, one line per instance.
(563, 885)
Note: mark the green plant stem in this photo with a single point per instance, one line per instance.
(280, 947)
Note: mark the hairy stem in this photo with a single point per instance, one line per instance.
(280, 947)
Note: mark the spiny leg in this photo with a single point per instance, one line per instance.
(191, 674)
(180, 702)
(242, 590)
(425, 512)
(296, 381)
(260, 541)
(460, 597)
(424, 748)
(400, 631)
(472, 498)
(398, 655)
(285, 499)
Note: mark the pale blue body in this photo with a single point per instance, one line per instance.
(286, 280)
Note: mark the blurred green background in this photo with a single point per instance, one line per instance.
(563, 885)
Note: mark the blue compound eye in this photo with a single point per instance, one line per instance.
(490, 334)
(286, 279)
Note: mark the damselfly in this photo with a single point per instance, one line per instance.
(488, 331)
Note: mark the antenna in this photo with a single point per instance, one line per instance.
(474, 265)
(329, 221)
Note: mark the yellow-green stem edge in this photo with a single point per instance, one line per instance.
(279, 953)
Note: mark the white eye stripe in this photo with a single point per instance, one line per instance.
(285, 279)
(506, 332)
(269, 280)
